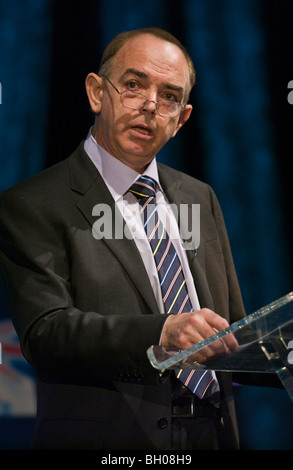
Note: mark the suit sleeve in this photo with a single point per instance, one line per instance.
(56, 336)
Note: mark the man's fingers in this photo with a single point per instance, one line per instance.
(227, 343)
(186, 329)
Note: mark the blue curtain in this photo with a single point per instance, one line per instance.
(25, 32)
(25, 48)
(227, 42)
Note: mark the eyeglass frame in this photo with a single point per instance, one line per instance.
(146, 101)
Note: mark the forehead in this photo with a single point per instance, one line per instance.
(153, 56)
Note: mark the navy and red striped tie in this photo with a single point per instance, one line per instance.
(172, 281)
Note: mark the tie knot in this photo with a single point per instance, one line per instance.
(144, 187)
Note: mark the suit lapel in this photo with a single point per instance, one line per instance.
(87, 181)
(176, 195)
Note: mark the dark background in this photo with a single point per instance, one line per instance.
(238, 139)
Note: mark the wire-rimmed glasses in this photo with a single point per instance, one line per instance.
(134, 100)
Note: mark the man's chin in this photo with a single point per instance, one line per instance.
(136, 157)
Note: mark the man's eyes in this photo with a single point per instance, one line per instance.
(132, 85)
(169, 97)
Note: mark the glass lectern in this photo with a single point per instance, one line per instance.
(265, 340)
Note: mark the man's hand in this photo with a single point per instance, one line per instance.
(186, 329)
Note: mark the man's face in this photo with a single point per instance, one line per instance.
(154, 68)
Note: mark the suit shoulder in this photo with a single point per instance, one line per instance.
(44, 184)
(191, 184)
(35, 182)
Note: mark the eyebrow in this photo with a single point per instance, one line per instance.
(132, 71)
(140, 74)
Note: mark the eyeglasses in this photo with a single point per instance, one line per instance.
(134, 100)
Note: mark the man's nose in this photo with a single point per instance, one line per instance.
(150, 106)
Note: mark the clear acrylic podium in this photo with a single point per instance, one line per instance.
(265, 340)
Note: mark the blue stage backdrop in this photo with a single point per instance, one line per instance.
(25, 47)
(229, 142)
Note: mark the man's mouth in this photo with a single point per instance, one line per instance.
(142, 130)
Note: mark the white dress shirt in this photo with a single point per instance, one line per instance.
(119, 178)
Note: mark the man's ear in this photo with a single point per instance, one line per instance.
(184, 116)
(93, 85)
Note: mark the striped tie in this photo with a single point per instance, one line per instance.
(173, 285)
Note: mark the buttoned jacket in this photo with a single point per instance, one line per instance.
(85, 311)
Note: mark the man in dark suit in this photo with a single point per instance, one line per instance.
(86, 306)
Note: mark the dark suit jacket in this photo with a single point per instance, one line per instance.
(85, 312)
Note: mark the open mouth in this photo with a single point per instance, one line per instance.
(142, 130)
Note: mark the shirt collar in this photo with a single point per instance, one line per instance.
(117, 176)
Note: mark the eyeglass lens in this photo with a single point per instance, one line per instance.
(136, 101)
